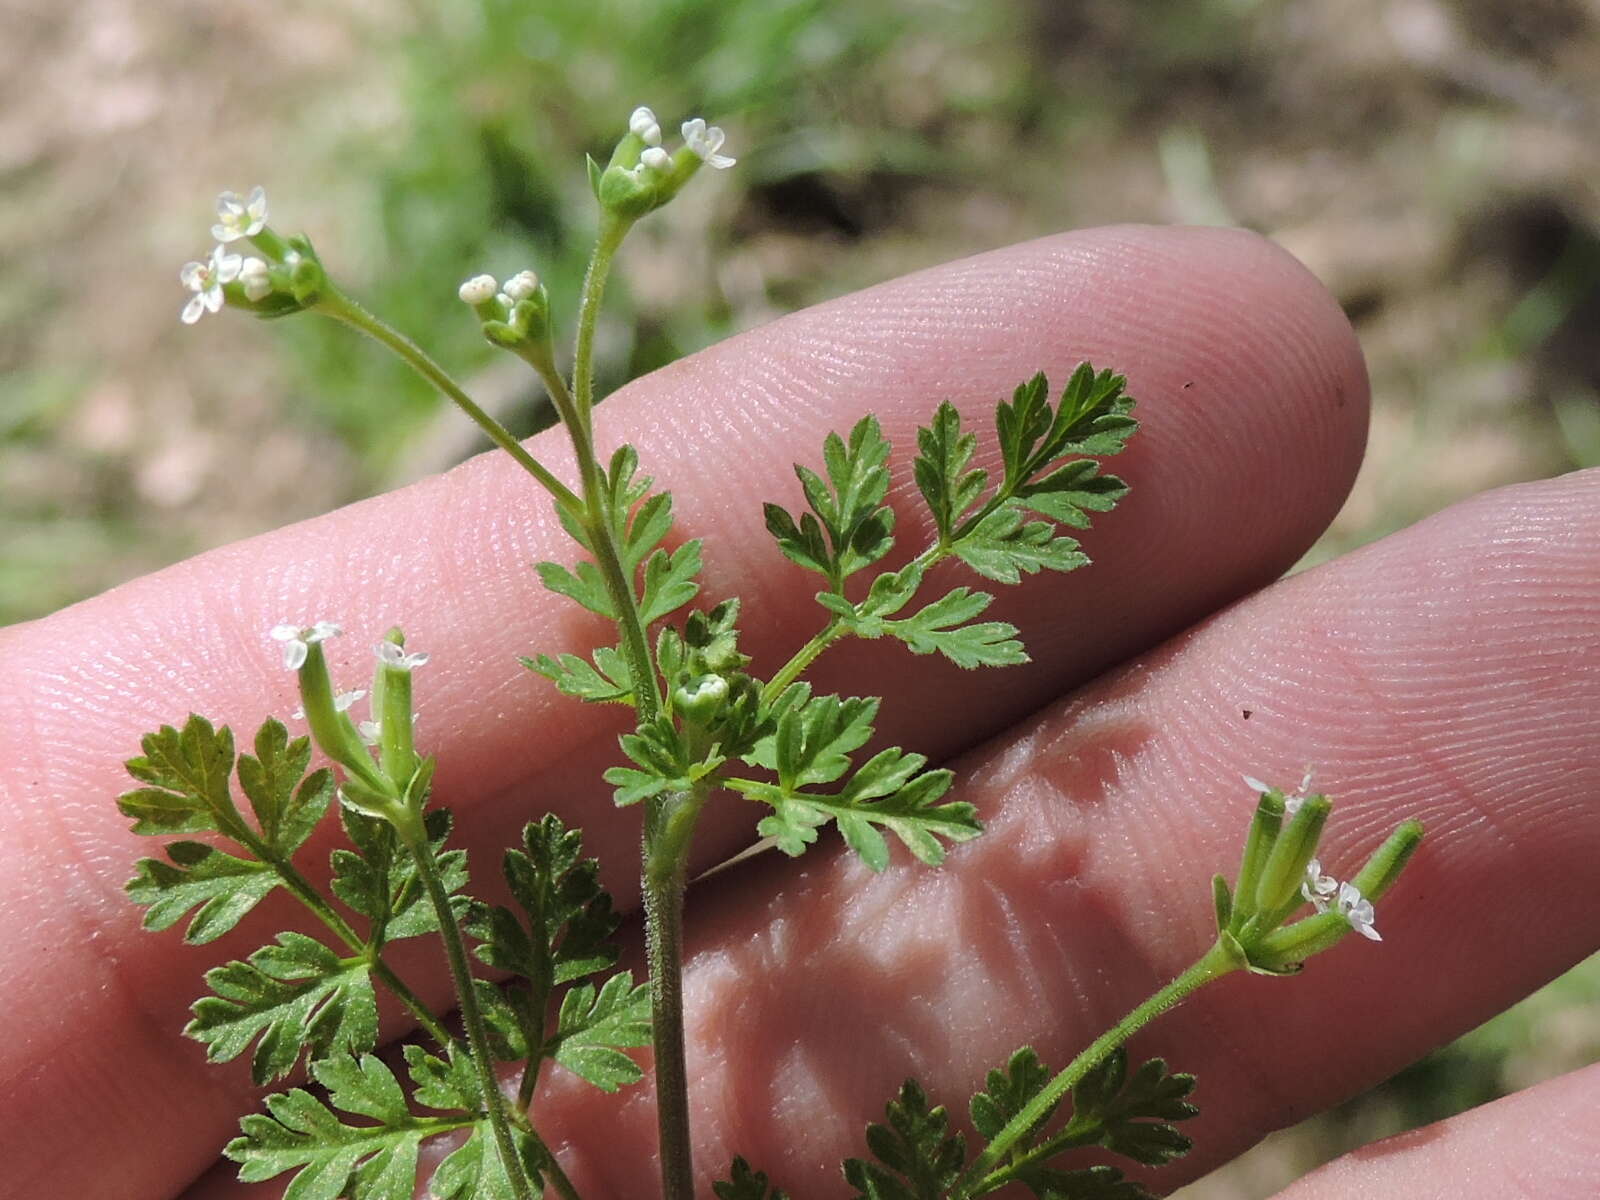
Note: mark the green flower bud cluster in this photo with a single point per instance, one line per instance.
(708, 687)
(642, 175)
(1280, 872)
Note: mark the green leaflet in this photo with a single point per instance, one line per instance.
(379, 880)
(378, 1159)
(849, 527)
(605, 681)
(187, 774)
(223, 889)
(593, 1025)
(746, 1183)
(639, 522)
(1004, 547)
(293, 997)
(918, 1158)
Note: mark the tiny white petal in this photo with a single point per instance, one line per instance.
(641, 121)
(1357, 911)
(256, 206)
(344, 700)
(705, 140)
(284, 632)
(370, 731)
(294, 655)
(478, 290)
(1291, 804)
(193, 310)
(322, 631)
(522, 285)
(298, 714)
(253, 275)
(193, 276)
(391, 655)
(1255, 785)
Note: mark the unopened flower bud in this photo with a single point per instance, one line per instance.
(480, 289)
(521, 285)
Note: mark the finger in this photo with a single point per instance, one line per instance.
(1255, 413)
(1447, 673)
(1542, 1142)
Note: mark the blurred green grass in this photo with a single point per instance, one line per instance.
(1447, 205)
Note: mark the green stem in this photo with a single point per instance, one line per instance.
(301, 889)
(612, 230)
(415, 838)
(833, 632)
(339, 306)
(803, 658)
(552, 1169)
(663, 909)
(1216, 963)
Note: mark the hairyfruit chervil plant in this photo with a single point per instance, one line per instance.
(705, 725)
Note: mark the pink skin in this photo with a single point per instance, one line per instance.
(1440, 674)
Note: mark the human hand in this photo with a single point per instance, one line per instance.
(1444, 674)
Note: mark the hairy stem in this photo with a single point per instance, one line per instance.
(663, 907)
(415, 838)
(339, 306)
(612, 230)
(1214, 964)
(300, 887)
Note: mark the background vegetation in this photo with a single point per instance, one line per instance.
(1433, 162)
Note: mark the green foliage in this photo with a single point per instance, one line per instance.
(997, 540)
(811, 746)
(945, 626)
(289, 998)
(187, 789)
(1132, 1116)
(745, 1183)
(379, 879)
(604, 681)
(849, 527)
(377, 1160)
(594, 1023)
(637, 522)
(664, 762)
(918, 1158)
(186, 776)
(569, 918)
(1008, 1092)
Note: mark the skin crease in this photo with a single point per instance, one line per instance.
(1251, 387)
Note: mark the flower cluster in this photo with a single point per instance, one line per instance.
(1326, 892)
(643, 174)
(235, 219)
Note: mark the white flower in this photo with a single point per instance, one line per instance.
(205, 280)
(1291, 801)
(705, 140)
(240, 219)
(478, 290)
(297, 640)
(391, 655)
(341, 702)
(1357, 911)
(253, 275)
(371, 731)
(521, 285)
(1319, 888)
(642, 124)
(656, 159)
